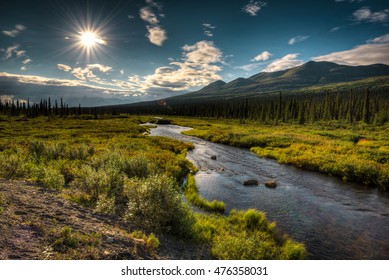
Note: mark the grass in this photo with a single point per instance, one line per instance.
(69, 244)
(108, 164)
(246, 235)
(192, 195)
(357, 153)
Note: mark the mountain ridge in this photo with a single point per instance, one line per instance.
(308, 74)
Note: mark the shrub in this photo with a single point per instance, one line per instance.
(93, 182)
(53, 178)
(12, 165)
(151, 241)
(155, 204)
(65, 239)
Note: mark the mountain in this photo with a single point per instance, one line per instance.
(309, 74)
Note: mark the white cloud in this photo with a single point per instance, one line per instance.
(297, 39)
(156, 35)
(64, 67)
(130, 17)
(253, 7)
(13, 51)
(14, 32)
(197, 67)
(20, 27)
(263, 56)
(122, 71)
(147, 14)
(365, 14)
(336, 28)
(27, 61)
(207, 29)
(380, 40)
(8, 53)
(87, 73)
(374, 51)
(249, 67)
(23, 68)
(20, 53)
(286, 62)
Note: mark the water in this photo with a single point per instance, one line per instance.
(335, 220)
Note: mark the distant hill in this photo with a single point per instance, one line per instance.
(307, 75)
(307, 78)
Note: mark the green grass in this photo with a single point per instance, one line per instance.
(192, 195)
(357, 153)
(246, 235)
(110, 165)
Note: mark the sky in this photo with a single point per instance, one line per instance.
(115, 52)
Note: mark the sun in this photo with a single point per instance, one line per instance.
(89, 39)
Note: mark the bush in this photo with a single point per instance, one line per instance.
(155, 204)
(12, 166)
(53, 178)
(93, 182)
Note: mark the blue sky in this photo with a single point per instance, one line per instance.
(108, 52)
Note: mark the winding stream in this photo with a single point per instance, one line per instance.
(335, 220)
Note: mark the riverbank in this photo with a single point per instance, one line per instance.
(357, 153)
(316, 209)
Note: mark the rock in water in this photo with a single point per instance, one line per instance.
(250, 182)
(213, 157)
(271, 184)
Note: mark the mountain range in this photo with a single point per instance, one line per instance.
(307, 75)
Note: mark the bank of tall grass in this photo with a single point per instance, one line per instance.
(357, 153)
(192, 195)
(110, 165)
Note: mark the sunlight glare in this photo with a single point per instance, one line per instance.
(89, 39)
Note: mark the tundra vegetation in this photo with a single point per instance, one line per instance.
(354, 152)
(108, 164)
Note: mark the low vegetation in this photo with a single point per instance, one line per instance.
(111, 166)
(357, 152)
(192, 195)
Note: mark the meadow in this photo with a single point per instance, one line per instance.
(110, 165)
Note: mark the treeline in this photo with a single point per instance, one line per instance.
(351, 106)
(43, 108)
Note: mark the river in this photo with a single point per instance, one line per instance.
(335, 220)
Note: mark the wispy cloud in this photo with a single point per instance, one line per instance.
(253, 7)
(208, 29)
(286, 62)
(374, 51)
(263, 56)
(249, 67)
(336, 28)
(156, 33)
(297, 39)
(27, 61)
(14, 32)
(366, 15)
(64, 67)
(13, 51)
(380, 40)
